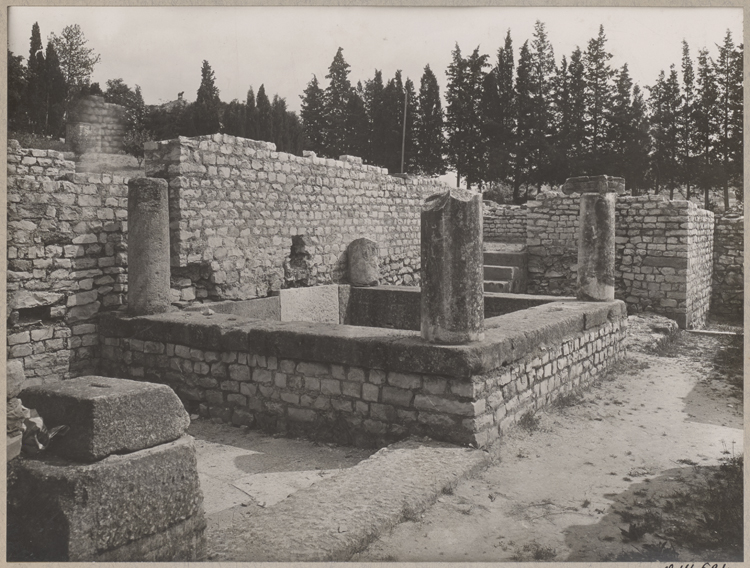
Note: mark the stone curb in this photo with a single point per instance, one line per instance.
(341, 515)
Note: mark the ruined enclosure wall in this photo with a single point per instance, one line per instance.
(728, 277)
(369, 384)
(504, 223)
(663, 253)
(237, 207)
(66, 262)
(96, 126)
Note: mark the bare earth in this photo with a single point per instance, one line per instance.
(606, 477)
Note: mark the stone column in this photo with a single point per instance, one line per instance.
(596, 235)
(148, 246)
(363, 263)
(452, 310)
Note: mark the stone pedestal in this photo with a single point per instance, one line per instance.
(363, 263)
(452, 309)
(596, 235)
(140, 500)
(148, 246)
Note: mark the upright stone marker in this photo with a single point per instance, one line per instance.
(148, 246)
(596, 235)
(452, 310)
(363, 263)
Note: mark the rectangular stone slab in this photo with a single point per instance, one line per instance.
(146, 505)
(107, 416)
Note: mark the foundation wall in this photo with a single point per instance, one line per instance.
(371, 384)
(504, 223)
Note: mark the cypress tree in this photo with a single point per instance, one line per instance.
(56, 91)
(374, 97)
(35, 87)
(724, 71)
(251, 115)
(207, 105)
(337, 97)
(621, 128)
(524, 122)
(313, 116)
(265, 115)
(638, 145)
(392, 113)
(234, 119)
(576, 120)
(16, 92)
(543, 69)
(281, 135)
(559, 163)
(598, 95)
(736, 125)
(428, 126)
(686, 120)
(707, 127)
(357, 124)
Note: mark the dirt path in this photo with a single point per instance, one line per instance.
(609, 474)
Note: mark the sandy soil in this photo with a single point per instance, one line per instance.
(606, 476)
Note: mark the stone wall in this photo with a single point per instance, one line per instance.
(367, 384)
(663, 253)
(247, 220)
(504, 223)
(95, 126)
(66, 262)
(727, 298)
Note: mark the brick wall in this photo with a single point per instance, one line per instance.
(237, 207)
(663, 253)
(504, 223)
(728, 276)
(96, 126)
(66, 262)
(373, 384)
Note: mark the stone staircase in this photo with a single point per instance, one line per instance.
(505, 267)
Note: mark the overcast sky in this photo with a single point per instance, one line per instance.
(161, 48)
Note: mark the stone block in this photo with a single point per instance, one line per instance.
(15, 378)
(107, 415)
(146, 505)
(363, 259)
(313, 304)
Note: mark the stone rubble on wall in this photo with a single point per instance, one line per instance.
(728, 276)
(236, 205)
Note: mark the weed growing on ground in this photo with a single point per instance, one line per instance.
(568, 399)
(533, 551)
(529, 421)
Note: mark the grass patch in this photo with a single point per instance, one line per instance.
(29, 140)
(533, 551)
(568, 399)
(529, 422)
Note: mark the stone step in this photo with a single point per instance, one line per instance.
(505, 258)
(499, 272)
(498, 286)
(338, 516)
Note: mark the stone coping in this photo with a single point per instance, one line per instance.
(508, 338)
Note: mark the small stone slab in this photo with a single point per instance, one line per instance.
(107, 416)
(594, 184)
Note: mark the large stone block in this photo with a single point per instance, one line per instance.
(311, 304)
(107, 415)
(363, 263)
(141, 506)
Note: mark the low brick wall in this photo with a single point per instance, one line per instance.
(504, 223)
(728, 275)
(376, 384)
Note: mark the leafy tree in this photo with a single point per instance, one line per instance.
(313, 116)
(207, 105)
(56, 91)
(234, 119)
(265, 115)
(136, 132)
(337, 97)
(76, 60)
(598, 95)
(428, 127)
(35, 86)
(16, 91)
(118, 92)
(686, 120)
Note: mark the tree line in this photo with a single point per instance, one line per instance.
(517, 122)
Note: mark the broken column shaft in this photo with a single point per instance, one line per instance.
(596, 235)
(452, 310)
(148, 246)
